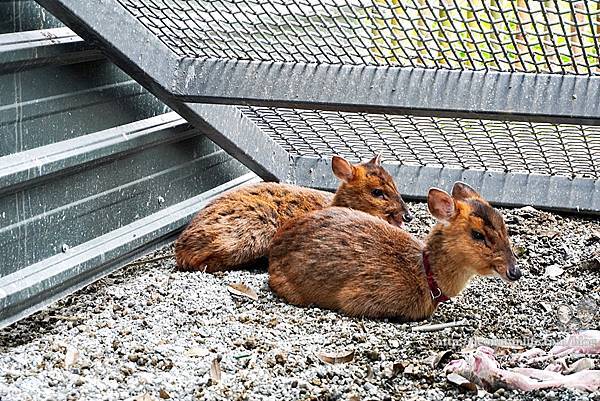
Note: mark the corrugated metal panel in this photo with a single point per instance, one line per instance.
(93, 169)
(24, 15)
(32, 287)
(51, 104)
(55, 46)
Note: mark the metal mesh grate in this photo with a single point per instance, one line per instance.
(533, 36)
(567, 150)
(506, 35)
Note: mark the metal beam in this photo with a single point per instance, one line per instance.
(56, 46)
(36, 286)
(555, 193)
(125, 41)
(395, 90)
(240, 137)
(378, 89)
(46, 162)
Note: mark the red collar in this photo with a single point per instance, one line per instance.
(436, 293)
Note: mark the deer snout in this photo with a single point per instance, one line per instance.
(407, 217)
(513, 273)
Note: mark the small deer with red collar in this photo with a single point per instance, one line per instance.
(349, 261)
(237, 228)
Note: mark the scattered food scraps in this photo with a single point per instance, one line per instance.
(480, 367)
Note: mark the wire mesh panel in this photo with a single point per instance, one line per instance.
(567, 150)
(504, 35)
(556, 37)
(425, 82)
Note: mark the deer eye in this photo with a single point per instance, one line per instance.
(477, 236)
(378, 193)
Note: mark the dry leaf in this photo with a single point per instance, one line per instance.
(242, 290)
(547, 306)
(197, 352)
(591, 264)
(549, 233)
(436, 359)
(71, 357)
(215, 371)
(461, 382)
(162, 393)
(519, 251)
(397, 368)
(411, 370)
(336, 357)
(144, 397)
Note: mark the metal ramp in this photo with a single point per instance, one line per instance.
(502, 94)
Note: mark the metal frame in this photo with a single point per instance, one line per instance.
(433, 92)
(36, 286)
(393, 90)
(56, 46)
(91, 194)
(471, 94)
(503, 189)
(45, 162)
(101, 24)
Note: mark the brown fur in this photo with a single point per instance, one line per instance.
(237, 228)
(350, 261)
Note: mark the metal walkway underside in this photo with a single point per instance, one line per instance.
(503, 95)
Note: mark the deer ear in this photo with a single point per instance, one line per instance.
(462, 191)
(342, 168)
(441, 204)
(376, 160)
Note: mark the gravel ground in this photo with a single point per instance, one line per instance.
(148, 332)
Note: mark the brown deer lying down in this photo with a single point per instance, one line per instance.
(238, 227)
(352, 262)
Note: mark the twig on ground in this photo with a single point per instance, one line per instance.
(156, 259)
(361, 323)
(242, 356)
(68, 318)
(441, 326)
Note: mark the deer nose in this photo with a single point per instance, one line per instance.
(513, 273)
(407, 217)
